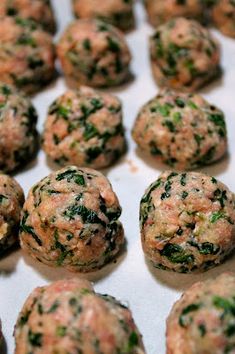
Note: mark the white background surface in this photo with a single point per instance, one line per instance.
(149, 292)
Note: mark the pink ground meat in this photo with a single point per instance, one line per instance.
(69, 317)
(26, 54)
(38, 10)
(161, 11)
(93, 53)
(11, 203)
(18, 134)
(187, 221)
(223, 16)
(116, 12)
(70, 219)
(84, 128)
(202, 321)
(182, 130)
(184, 55)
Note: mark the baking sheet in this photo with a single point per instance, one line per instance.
(150, 293)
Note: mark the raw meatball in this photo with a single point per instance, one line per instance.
(69, 317)
(70, 219)
(161, 11)
(84, 128)
(94, 53)
(117, 12)
(26, 54)
(202, 321)
(181, 130)
(11, 203)
(18, 134)
(38, 10)
(187, 221)
(223, 16)
(184, 55)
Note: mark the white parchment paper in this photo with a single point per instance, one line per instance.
(149, 292)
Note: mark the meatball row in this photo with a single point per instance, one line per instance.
(184, 55)
(70, 219)
(18, 133)
(27, 54)
(91, 52)
(85, 128)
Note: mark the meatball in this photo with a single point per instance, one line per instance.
(187, 221)
(11, 203)
(202, 321)
(18, 134)
(84, 128)
(94, 53)
(223, 16)
(70, 219)
(161, 11)
(38, 10)
(184, 55)
(26, 54)
(182, 130)
(67, 316)
(117, 12)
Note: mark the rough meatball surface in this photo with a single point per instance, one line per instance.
(84, 128)
(26, 54)
(223, 16)
(202, 321)
(70, 219)
(182, 130)
(184, 55)
(67, 316)
(116, 12)
(187, 221)
(18, 134)
(161, 11)
(38, 10)
(11, 203)
(94, 53)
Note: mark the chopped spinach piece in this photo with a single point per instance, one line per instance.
(205, 247)
(184, 320)
(61, 331)
(35, 339)
(202, 329)
(216, 216)
(183, 179)
(71, 175)
(2, 198)
(176, 254)
(87, 215)
(29, 229)
(54, 307)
